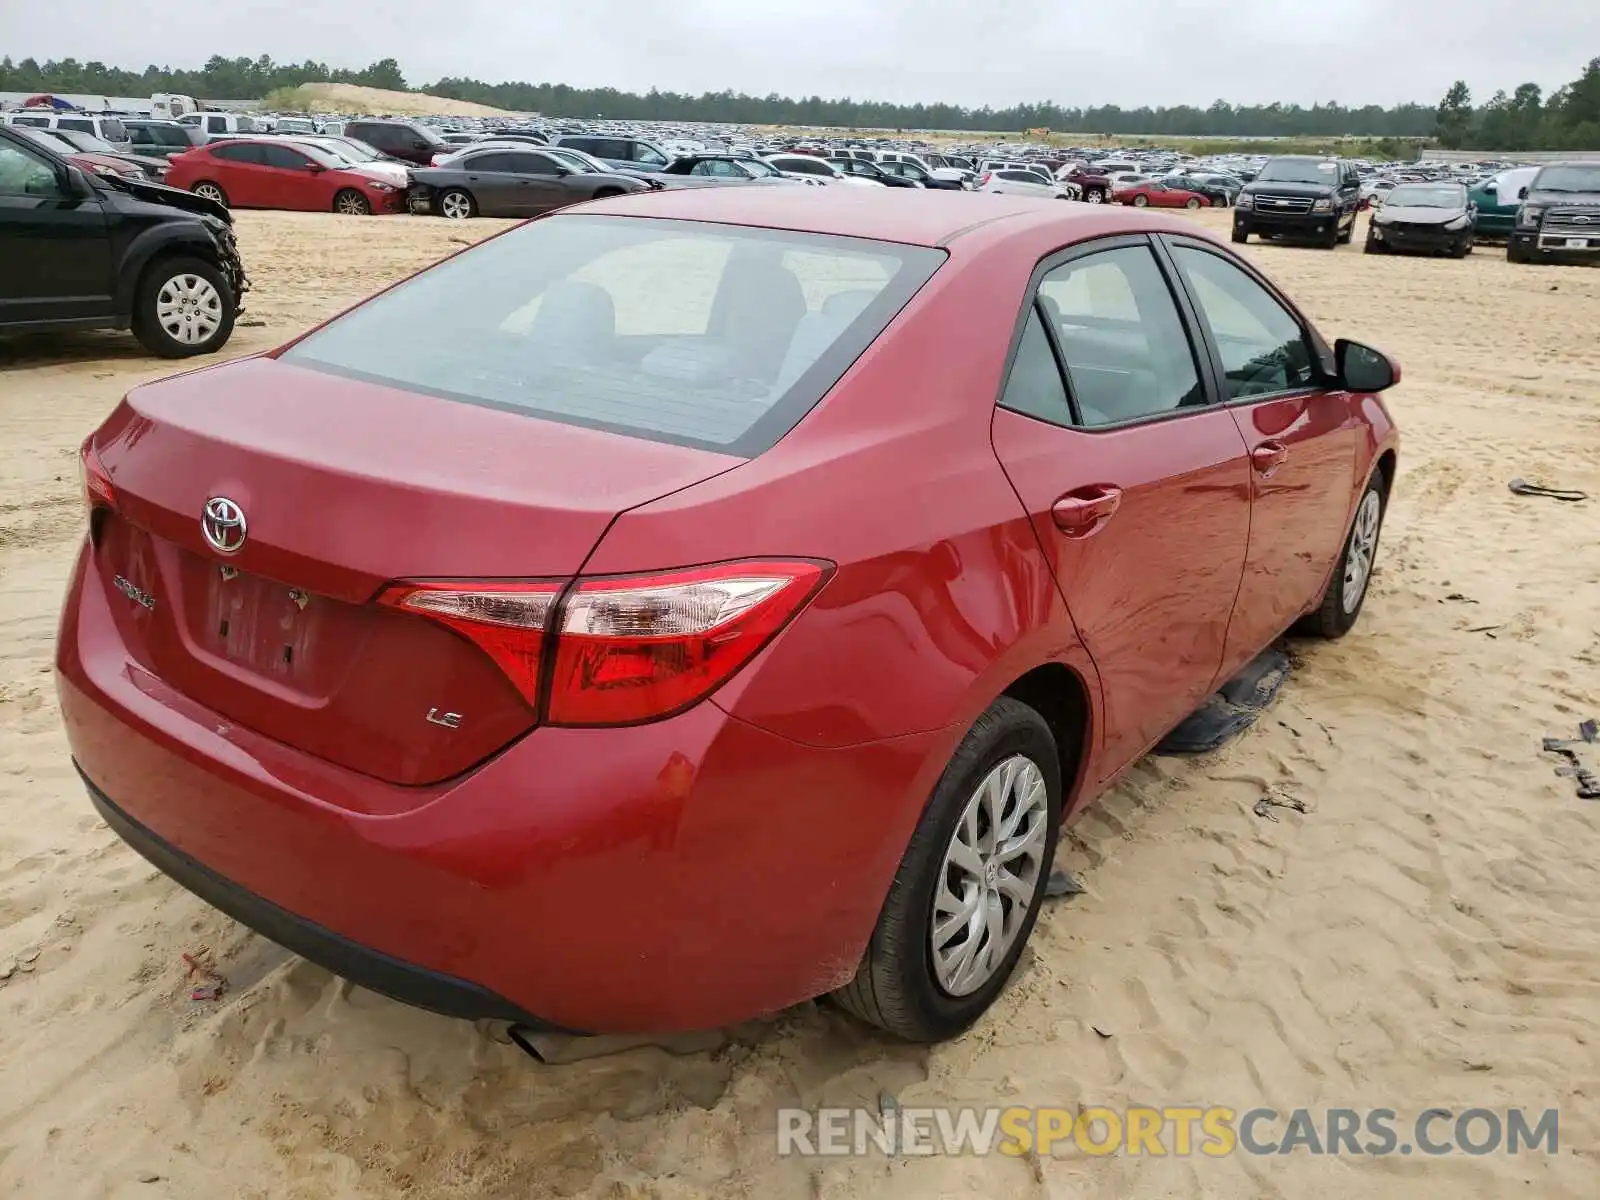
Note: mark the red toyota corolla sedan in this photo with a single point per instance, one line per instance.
(1154, 193)
(269, 173)
(693, 603)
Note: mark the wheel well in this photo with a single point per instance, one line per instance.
(1386, 465)
(1057, 694)
(161, 254)
(602, 193)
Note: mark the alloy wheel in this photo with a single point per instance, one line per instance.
(1363, 549)
(189, 308)
(455, 206)
(210, 191)
(990, 876)
(351, 205)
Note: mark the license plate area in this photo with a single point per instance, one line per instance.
(259, 625)
(1577, 243)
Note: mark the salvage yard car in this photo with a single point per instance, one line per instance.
(1560, 215)
(102, 251)
(1300, 196)
(510, 183)
(1423, 218)
(269, 172)
(514, 643)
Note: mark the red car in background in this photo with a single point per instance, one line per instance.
(269, 173)
(693, 603)
(1154, 193)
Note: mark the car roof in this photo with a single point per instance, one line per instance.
(913, 217)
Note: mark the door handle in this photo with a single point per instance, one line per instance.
(1084, 512)
(1268, 457)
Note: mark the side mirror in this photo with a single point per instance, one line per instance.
(1489, 189)
(315, 168)
(76, 184)
(1363, 369)
(1522, 193)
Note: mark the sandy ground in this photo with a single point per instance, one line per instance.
(1425, 934)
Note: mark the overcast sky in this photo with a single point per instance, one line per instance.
(1126, 52)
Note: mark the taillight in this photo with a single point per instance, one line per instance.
(984, 179)
(95, 479)
(507, 621)
(636, 649)
(627, 650)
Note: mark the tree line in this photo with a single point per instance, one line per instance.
(1568, 119)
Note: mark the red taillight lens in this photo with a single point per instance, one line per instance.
(507, 621)
(984, 179)
(96, 480)
(633, 650)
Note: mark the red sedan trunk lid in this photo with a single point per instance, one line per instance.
(345, 486)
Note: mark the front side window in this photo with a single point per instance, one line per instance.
(113, 130)
(1126, 352)
(648, 155)
(697, 334)
(284, 158)
(23, 173)
(1264, 351)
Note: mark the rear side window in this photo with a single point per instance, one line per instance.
(76, 124)
(238, 152)
(1126, 352)
(705, 335)
(1034, 386)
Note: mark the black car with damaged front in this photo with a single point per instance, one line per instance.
(86, 251)
(1423, 218)
(1300, 196)
(1559, 216)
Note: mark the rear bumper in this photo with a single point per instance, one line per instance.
(685, 874)
(360, 964)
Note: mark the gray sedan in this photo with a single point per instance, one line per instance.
(503, 182)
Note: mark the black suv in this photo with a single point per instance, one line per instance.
(1299, 195)
(404, 140)
(1560, 214)
(85, 251)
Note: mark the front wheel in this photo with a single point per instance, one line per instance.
(970, 885)
(457, 205)
(1140, 201)
(183, 307)
(351, 203)
(1347, 589)
(1373, 247)
(1240, 236)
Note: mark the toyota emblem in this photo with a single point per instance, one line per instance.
(222, 522)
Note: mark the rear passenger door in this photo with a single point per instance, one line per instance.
(1137, 484)
(1300, 434)
(243, 173)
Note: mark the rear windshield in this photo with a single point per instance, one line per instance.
(702, 335)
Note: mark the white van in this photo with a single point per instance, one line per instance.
(169, 107)
(210, 124)
(107, 129)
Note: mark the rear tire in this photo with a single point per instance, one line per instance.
(183, 307)
(1337, 613)
(211, 191)
(1140, 201)
(1094, 196)
(351, 203)
(897, 985)
(603, 193)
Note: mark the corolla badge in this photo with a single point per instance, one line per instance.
(222, 523)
